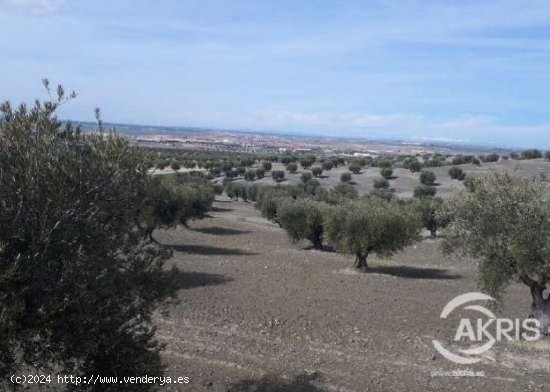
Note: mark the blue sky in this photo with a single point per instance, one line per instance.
(464, 70)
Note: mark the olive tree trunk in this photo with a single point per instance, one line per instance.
(361, 262)
(541, 307)
(317, 243)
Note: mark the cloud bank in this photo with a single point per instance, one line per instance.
(38, 7)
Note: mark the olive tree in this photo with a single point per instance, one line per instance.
(428, 208)
(175, 199)
(285, 160)
(260, 172)
(302, 219)
(306, 176)
(327, 166)
(531, 153)
(306, 162)
(456, 173)
(278, 175)
(316, 171)
(414, 165)
(365, 226)
(505, 222)
(309, 188)
(354, 167)
(250, 175)
(342, 192)
(268, 199)
(386, 172)
(292, 167)
(427, 178)
(79, 277)
(251, 192)
(345, 177)
(381, 183)
(215, 171)
(236, 191)
(421, 191)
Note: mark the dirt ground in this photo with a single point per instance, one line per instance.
(260, 314)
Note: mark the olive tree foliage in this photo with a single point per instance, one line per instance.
(245, 192)
(267, 200)
(469, 183)
(428, 208)
(278, 175)
(250, 175)
(505, 222)
(341, 192)
(421, 191)
(327, 166)
(345, 177)
(236, 190)
(175, 199)
(285, 160)
(427, 178)
(354, 167)
(531, 153)
(456, 173)
(382, 193)
(302, 219)
(386, 172)
(79, 278)
(260, 172)
(364, 226)
(413, 165)
(307, 161)
(316, 171)
(292, 167)
(381, 183)
(306, 176)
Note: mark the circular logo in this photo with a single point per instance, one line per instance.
(469, 355)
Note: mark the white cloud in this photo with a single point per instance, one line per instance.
(39, 7)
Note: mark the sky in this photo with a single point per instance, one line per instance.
(467, 71)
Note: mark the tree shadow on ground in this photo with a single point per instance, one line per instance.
(325, 248)
(412, 272)
(221, 231)
(301, 383)
(190, 279)
(211, 250)
(220, 209)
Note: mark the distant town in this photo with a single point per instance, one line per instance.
(198, 139)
